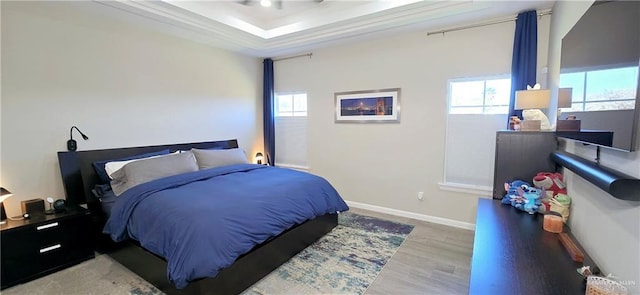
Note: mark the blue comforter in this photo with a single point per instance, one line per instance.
(202, 221)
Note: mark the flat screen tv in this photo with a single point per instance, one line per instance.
(600, 61)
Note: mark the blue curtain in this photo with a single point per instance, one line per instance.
(525, 56)
(268, 113)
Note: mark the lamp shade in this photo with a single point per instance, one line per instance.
(533, 99)
(564, 97)
(4, 193)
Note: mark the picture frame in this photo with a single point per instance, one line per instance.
(368, 106)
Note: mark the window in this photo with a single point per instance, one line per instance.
(291, 130)
(479, 96)
(291, 105)
(483, 103)
(601, 89)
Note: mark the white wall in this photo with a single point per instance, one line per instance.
(63, 65)
(608, 228)
(388, 164)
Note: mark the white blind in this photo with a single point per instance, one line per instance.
(291, 141)
(470, 148)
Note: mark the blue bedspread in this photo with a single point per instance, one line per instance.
(202, 221)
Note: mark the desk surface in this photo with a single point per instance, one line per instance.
(512, 254)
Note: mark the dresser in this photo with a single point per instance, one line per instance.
(512, 254)
(33, 248)
(520, 155)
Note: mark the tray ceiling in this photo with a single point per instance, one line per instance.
(296, 26)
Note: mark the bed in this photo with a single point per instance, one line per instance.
(268, 249)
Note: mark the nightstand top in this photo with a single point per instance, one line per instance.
(70, 212)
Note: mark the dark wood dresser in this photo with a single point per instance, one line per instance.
(512, 254)
(39, 246)
(521, 155)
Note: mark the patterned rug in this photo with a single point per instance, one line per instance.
(345, 261)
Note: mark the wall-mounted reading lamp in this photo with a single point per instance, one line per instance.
(259, 158)
(72, 145)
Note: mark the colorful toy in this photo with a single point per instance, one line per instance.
(532, 201)
(560, 204)
(523, 196)
(553, 184)
(512, 196)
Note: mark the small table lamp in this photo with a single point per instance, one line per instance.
(259, 158)
(4, 194)
(530, 102)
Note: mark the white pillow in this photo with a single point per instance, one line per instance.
(112, 167)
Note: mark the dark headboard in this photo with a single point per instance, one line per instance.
(79, 177)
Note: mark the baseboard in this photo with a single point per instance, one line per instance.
(407, 214)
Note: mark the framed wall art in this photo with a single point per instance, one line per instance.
(369, 106)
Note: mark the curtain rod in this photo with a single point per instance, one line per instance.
(294, 56)
(483, 24)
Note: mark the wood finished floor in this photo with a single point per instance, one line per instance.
(434, 259)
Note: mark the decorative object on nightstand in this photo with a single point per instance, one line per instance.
(60, 205)
(259, 158)
(72, 145)
(33, 207)
(50, 210)
(32, 248)
(4, 194)
(530, 101)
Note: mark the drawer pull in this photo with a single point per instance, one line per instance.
(56, 246)
(54, 224)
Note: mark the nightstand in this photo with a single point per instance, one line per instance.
(35, 247)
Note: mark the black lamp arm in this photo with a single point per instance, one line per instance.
(72, 145)
(71, 133)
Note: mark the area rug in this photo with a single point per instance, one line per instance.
(345, 261)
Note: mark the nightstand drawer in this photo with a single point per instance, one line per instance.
(53, 243)
(70, 230)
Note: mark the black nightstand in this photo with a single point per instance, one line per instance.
(35, 247)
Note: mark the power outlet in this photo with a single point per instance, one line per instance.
(420, 196)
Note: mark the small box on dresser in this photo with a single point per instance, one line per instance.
(568, 125)
(32, 248)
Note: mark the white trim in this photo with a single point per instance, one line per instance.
(294, 167)
(475, 190)
(407, 214)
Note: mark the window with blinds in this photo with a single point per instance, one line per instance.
(291, 130)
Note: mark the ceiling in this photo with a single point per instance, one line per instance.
(299, 26)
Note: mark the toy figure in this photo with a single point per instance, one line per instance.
(532, 198)
(553, 184)
(512, 197)
(523, 196)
